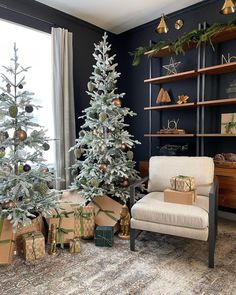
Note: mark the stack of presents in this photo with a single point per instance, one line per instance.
(182, 190)
(63, 227)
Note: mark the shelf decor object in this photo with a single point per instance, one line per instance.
(172, 66)
(182, 99)
(162, 27)
(228, 123)
(163, 97)
(231, 90)
(228, 7)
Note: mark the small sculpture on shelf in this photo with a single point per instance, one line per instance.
(172, 66)
(182, 99)
(228, 123)
(172, 128)
(163, 97)
(124, 223)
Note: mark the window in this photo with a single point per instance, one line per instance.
(34, 49)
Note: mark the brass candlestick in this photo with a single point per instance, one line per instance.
(53, 240)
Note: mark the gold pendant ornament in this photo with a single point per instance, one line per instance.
(162, 27)
(179, 24)
(228, 7)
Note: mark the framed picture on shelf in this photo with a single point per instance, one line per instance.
(228, 123)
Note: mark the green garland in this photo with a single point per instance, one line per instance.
(195, 37)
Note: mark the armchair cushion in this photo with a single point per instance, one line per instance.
(152, 208)
(161, 169)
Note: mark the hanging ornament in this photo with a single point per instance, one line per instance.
(94, 182)
(82, 133)
(27, 200)
(20, 168)
(2, 152)
(29, 108)
(8, 205)
(125, 183)
(8, 86)
(103, 167)
(90, 86)
(97, 71)
(44, 169)
(26, 168)
(130, 155)
(42, 188)
(117, 102)
(3, 136)
(77, 153)
(13, 111)
(46, 146)
(20, 86)
(102, 117)
(123, 147)
(20, 134)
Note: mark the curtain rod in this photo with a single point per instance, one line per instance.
(28, 15)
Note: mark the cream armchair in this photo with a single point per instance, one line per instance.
(198, 221)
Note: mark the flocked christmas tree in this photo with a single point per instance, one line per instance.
(104, 163)
(24, 178)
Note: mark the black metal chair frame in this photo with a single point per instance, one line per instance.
(213, 218)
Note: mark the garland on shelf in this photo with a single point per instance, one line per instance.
(195, 37)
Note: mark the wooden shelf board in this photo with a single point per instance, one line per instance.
(172, 78)
(226, 35)
(215, 135)
(219, 69)
(171, 106)
(215, 102)
(169, 135)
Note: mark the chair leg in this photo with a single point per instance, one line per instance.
(132, 239)
(211, 253)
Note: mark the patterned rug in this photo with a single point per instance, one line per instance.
(162, 264)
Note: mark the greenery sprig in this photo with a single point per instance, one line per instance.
(194, 38)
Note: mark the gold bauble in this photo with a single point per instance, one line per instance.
(21, 135)
(117, 102)
(125, 183)
(8, 205)
(103, 167)
(27, 200)
(123, 147)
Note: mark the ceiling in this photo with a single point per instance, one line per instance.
(118, 16)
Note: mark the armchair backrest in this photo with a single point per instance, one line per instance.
(162, 168)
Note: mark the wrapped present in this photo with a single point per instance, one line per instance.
(84, 222)
(7, 239)
(182, 183)
(73, 197)
(34, 225)
(104, 236)
(107, 212)
(65, 222)
(33, 246)
(75, 245)
(186, 198)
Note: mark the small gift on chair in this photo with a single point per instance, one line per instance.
(33, 246)
(104, 236)
(84, 222)
(183, 183)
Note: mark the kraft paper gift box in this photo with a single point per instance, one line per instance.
(65, 221)
(186, 198)
(104, 236)
(73, 197)
(182, 183)
(33, 246)
(84, 221)
(107, 212)
(7, 238)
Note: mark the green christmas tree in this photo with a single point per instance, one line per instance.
(104, 163)
(24, 178)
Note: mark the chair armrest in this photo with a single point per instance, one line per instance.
(132, 189)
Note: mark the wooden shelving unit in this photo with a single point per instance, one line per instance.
(171, 106)
(173, 78)
(217, 102)
(168, 135)
(215, 135)
(218, 69)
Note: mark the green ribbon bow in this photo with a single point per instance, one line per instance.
(82, 215)
(107, 212)
(1, 227)
(61, 232)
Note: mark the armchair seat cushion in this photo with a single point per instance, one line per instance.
(152, 208)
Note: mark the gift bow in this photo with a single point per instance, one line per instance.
(62, 231)
(107, 212)
(82, 215)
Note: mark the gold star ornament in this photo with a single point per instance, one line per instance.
(172, 66)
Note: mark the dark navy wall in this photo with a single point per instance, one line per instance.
(42, 17)
(137, 92)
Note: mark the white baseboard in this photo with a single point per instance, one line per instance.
(227, 215)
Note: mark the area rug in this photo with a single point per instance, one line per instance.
(162, 264)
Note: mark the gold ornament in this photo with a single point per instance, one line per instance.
(27, 200)
(2, 152)
(130, 155)
(162, 27)
(117, 102)
(90, 86)
(45, 169)
(125, 183)
(13, 111)
(103, 167)
(102, 117)
(77, 153)
(20, 134)
(182, 99)
(123, 147)
(179, 24)
(124, 223)
(8, 205)
(228, 7)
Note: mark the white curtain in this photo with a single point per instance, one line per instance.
(63, 94)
